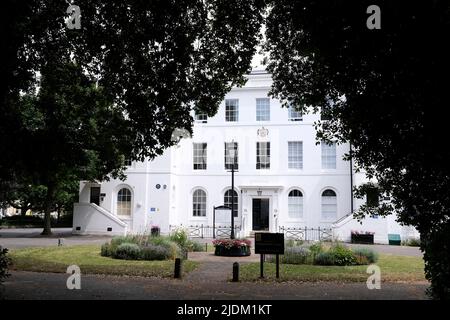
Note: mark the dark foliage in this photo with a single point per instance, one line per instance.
(384, 91)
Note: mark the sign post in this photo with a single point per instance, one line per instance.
(269, 243)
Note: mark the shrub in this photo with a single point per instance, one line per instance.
(117, 241)
(106, 250)
(5, 261)
(295, 255)
(342, 255)
(365, 255)
(172, 247)
(196, 246)
(155, 252)
(324, 259)
(413, 242)
(128, 251)
(292, 243)
(180, 237)
(316, 248)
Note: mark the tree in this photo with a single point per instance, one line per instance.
(383, 90)
(79, 101)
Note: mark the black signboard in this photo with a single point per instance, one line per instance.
(269, 243)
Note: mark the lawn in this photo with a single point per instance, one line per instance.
(88, 258)
(393, 269)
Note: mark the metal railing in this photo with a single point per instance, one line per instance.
(307, 234)
(205, 231)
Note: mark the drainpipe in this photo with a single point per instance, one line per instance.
(351, 179)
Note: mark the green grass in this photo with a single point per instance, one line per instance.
(393, 269)
(88, 258)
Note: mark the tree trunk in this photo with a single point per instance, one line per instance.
(48, 209)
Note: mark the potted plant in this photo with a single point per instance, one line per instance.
(365, 237)
(232, 247)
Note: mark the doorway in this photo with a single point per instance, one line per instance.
(260, 209)
(95, 195)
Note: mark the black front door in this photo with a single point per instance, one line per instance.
(95, 195)
(260, 214)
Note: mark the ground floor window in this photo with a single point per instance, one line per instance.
(227, 201)
(199, 203)
(295, 204)
(329, 205)
(124, 202)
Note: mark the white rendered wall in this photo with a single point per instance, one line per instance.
(171, 204)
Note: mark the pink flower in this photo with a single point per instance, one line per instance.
(232, 243)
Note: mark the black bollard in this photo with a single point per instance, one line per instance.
(177, 272)
(235, 272)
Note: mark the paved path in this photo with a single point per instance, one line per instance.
(30, 285)
(31, 237)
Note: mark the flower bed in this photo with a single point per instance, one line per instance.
(232, 247)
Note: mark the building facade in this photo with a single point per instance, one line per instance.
(284, 177)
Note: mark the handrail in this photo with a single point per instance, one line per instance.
(343, 218)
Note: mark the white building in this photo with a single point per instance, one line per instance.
(283, 178)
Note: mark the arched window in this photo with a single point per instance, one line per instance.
(199, 203)
(329, 205)
(124, 202)
(227, 200)
(295, 204)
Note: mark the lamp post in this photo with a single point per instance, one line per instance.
(232, 154)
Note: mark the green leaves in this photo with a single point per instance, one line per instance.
(383, 91)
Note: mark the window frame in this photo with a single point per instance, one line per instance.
(291, 111)
(199, 156)
(128, 207)
(260, 165)
(231, 110)
(262, 109)
(198, 205)
(299, 205)
(328, 198)
(327, 155)
(227, 163)
(299, 158)
(201, 118)
(227, 201)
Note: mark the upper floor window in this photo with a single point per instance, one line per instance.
(294, 115)
(201, 117)
(199, 203)
(231, 147)
(328, 155)
(324, 114)
(329, 204)
(263, 155)
(200, 153)
(127, 162)
(295, 155)
(263, 109)
(295, 204)
(231, 110)
(227, 200)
